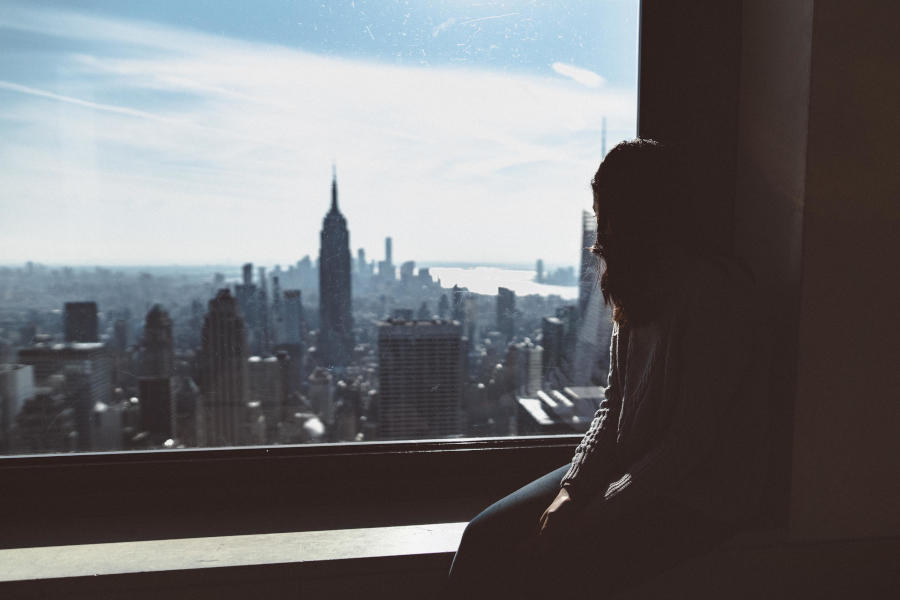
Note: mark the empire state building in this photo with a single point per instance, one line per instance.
(336, 330)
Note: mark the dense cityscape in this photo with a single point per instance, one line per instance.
(338, 349)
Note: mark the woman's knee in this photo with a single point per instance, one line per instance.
(479, 531)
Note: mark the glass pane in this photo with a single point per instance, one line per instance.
(239, 223)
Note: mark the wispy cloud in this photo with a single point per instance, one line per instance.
(585, 77)
(221, 148)
(24, 89)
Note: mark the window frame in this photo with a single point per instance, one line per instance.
(119, 496)
(678, 100)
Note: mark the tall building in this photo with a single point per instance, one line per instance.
(588, 277)
(158, 357)
(88, 380)
(530, 368)
(80, 322)
(335, 342)
(347, 411)
(590, 357)
(122, 369)
(188, 400)
(321, 394)
(266, 387)
(224, 372)
(158, 410)
(294, 329)
(558, 346)
(46, 423)
(420, 377)
(458, 311)
(406, 271)
(263, 332)
(16, 387)
(506, 312)
(386, 269)
(590, 346)
(292, 338)
(247, 295)
(155, 389)
(277, 318)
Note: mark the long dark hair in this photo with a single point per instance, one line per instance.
(641, 193)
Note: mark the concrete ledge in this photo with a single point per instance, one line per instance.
(410, 562)
(333, 563)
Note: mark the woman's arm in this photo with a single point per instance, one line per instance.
(594, 462)
(715, 353)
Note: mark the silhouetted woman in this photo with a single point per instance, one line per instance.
(671, 463)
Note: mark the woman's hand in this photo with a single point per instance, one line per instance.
(557, 515)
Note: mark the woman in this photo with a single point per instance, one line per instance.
(672, 462)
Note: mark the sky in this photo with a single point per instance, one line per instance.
(204, 132)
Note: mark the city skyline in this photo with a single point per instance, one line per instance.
(130, 128)
(260, 369)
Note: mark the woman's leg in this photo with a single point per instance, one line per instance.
(490, 559)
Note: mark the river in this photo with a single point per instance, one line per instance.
(486, 280)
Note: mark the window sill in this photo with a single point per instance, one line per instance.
(297, 548)
(417, 555)
(126, 497)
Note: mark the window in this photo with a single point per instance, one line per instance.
(321, 222)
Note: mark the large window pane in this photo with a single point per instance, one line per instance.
(244, 223)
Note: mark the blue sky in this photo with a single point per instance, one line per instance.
(203, 132)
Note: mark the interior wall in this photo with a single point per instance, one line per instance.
(847, 416)
(801, 181)
(769, 199)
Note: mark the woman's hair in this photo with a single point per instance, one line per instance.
(641, 194)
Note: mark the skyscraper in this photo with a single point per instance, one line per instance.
(506, 311)
(587, 279)
(158, 345)
(266, 387)
(294, 329)
(458, 312)
(155, 388)
(16, 387)
(277, 314)
(224, 372)
(420, 377)
(263, 332)
(247, 295)
(386, 269)
(406, 271)
(336, 323)
(594, 318)
(80, 322)
(292, 338)
(157, 404)
(88, 380)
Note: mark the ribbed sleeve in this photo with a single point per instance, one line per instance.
(594, 462)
